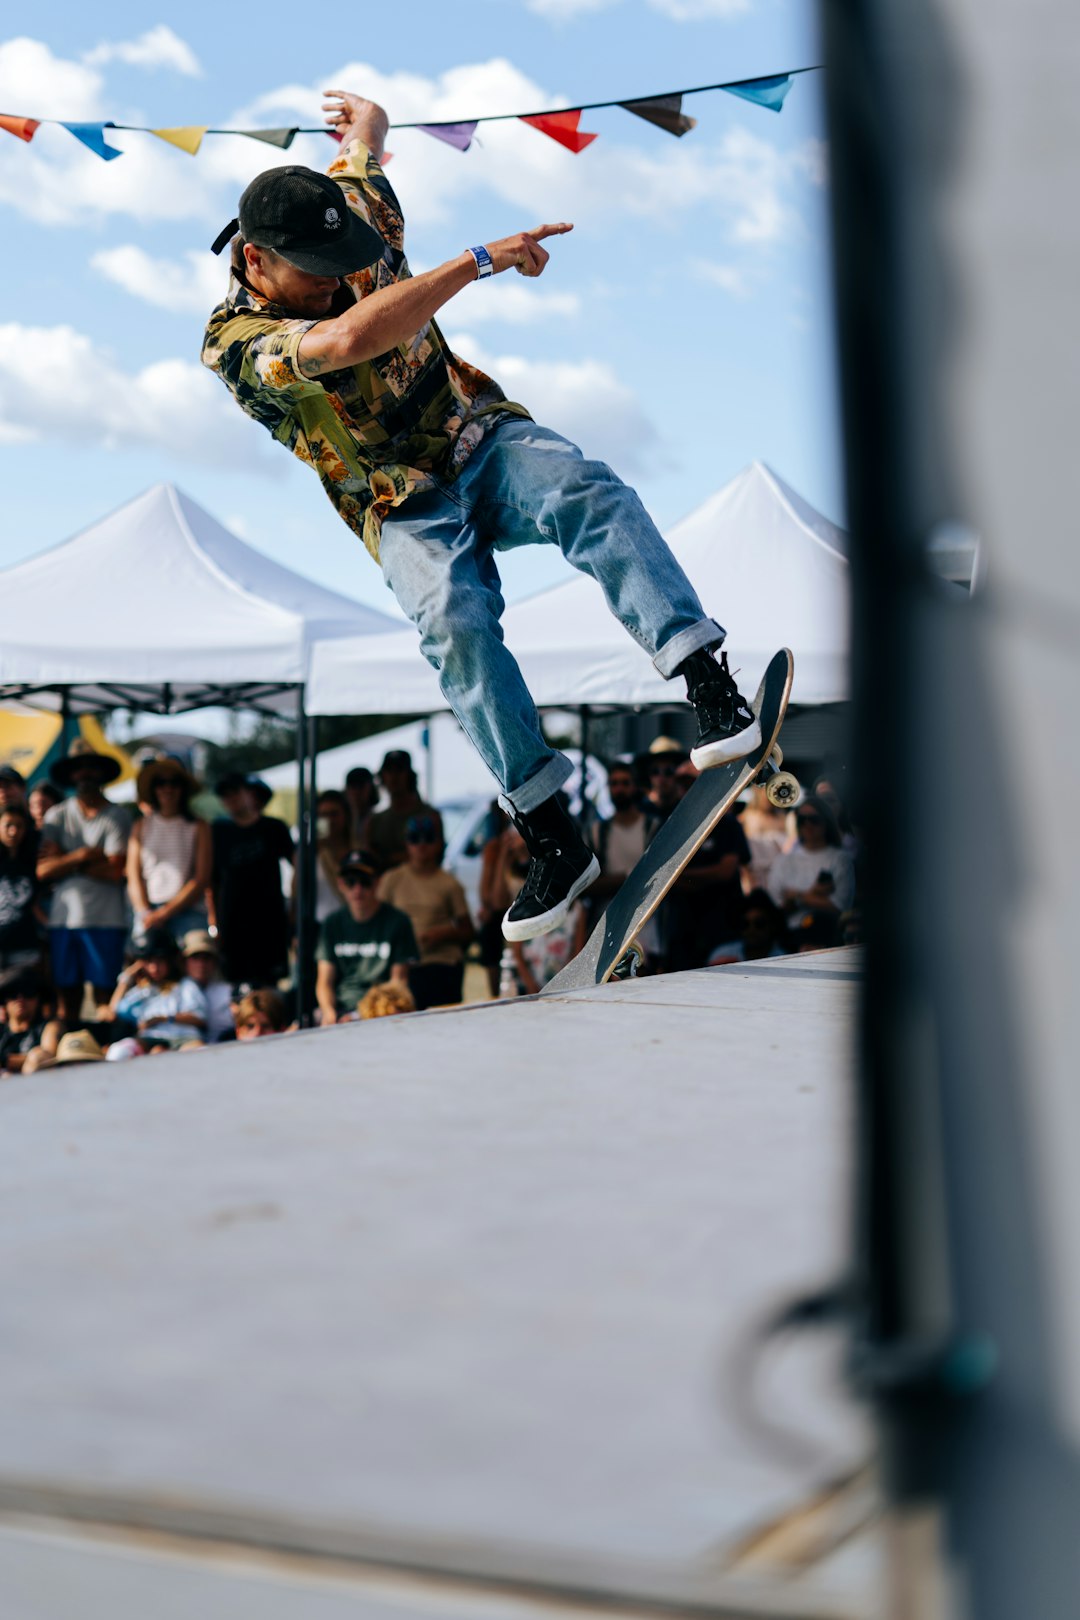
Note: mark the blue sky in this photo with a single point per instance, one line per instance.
(681, 331)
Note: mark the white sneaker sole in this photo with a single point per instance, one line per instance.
(533, 927)
(727, 749)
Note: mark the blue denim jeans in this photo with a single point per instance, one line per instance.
(526, 485)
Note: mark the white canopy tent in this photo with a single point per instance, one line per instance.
(159, 607)
(160, 596)
(765, 563)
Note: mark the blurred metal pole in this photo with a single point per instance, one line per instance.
(303, 834)
(955, 275)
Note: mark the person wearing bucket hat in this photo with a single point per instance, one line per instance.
(169, 855)
(248, 903)
(338, 355)
(82, 854)
(202, 963)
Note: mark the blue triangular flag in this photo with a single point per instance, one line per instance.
(766, 92)
(92, 135)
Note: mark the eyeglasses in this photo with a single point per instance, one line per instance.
(421, 838)
(662, 770)
(358, 880)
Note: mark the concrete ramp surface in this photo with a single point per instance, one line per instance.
(466, 1294)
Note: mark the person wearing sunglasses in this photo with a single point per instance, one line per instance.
(363, 943)
(435, 904)
(816, 879)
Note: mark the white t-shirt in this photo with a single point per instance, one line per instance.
(87, 902)
(798, 869)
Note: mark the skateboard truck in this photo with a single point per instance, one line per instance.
(781, 788)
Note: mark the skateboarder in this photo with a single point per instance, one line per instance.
(327, 339)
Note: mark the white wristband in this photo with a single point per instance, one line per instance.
(484, 266)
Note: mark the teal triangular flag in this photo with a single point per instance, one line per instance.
(92, 135)
(765, 92)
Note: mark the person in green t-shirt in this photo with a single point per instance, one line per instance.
(367, 942)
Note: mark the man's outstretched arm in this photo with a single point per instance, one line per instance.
(394, 314)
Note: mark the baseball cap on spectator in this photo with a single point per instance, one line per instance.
(199, 943)
(361, 863)
(233, 780)
(78, 1046)
(667, 745)
(8, 773)
(359, 773)
(304, 216)
(397, 757)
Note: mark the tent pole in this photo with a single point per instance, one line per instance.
(301, 883)
(310, 857)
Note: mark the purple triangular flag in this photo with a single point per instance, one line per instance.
(459, 135)
(664, 111)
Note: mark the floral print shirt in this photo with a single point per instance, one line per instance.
(376, 432)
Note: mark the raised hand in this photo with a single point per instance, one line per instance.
(523, 252)
(349, 114)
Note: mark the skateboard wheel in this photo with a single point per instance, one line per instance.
(629, 962)
(783, 791)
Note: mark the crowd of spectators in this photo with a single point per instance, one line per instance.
(125, 932)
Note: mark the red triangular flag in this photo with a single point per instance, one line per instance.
(22, 127)
(562, 127)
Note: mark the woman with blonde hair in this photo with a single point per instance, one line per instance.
(169, 853)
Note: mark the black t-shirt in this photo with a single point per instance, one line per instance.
(18, 891)
(364, 952)
(11, 1042)
(247, 875)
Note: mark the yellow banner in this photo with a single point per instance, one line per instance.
(188, 137)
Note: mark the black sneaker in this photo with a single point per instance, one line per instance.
(561, 868)
(727, 726)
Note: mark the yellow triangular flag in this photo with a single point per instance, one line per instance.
(188, 138)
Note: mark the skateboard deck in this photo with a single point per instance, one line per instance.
(708, 799)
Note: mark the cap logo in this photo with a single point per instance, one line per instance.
(332, 218)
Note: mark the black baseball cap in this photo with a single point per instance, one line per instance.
(303, 215)
(362, 862)
(8, 773)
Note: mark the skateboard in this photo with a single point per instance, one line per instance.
(611, 950)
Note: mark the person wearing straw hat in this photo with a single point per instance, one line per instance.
(82, 854)
(169, 854)
(329, 341)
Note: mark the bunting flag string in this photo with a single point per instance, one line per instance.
(560, 124)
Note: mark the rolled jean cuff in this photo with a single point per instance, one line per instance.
(548, 779)
(706, 633)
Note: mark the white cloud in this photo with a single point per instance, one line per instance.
(582, 399)
(730, 278)
(56, 384)
(158, 47)
(564, 10)
(701, 10)
(193, 287)
(677, 10)
(33, 80)
(514, 303)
